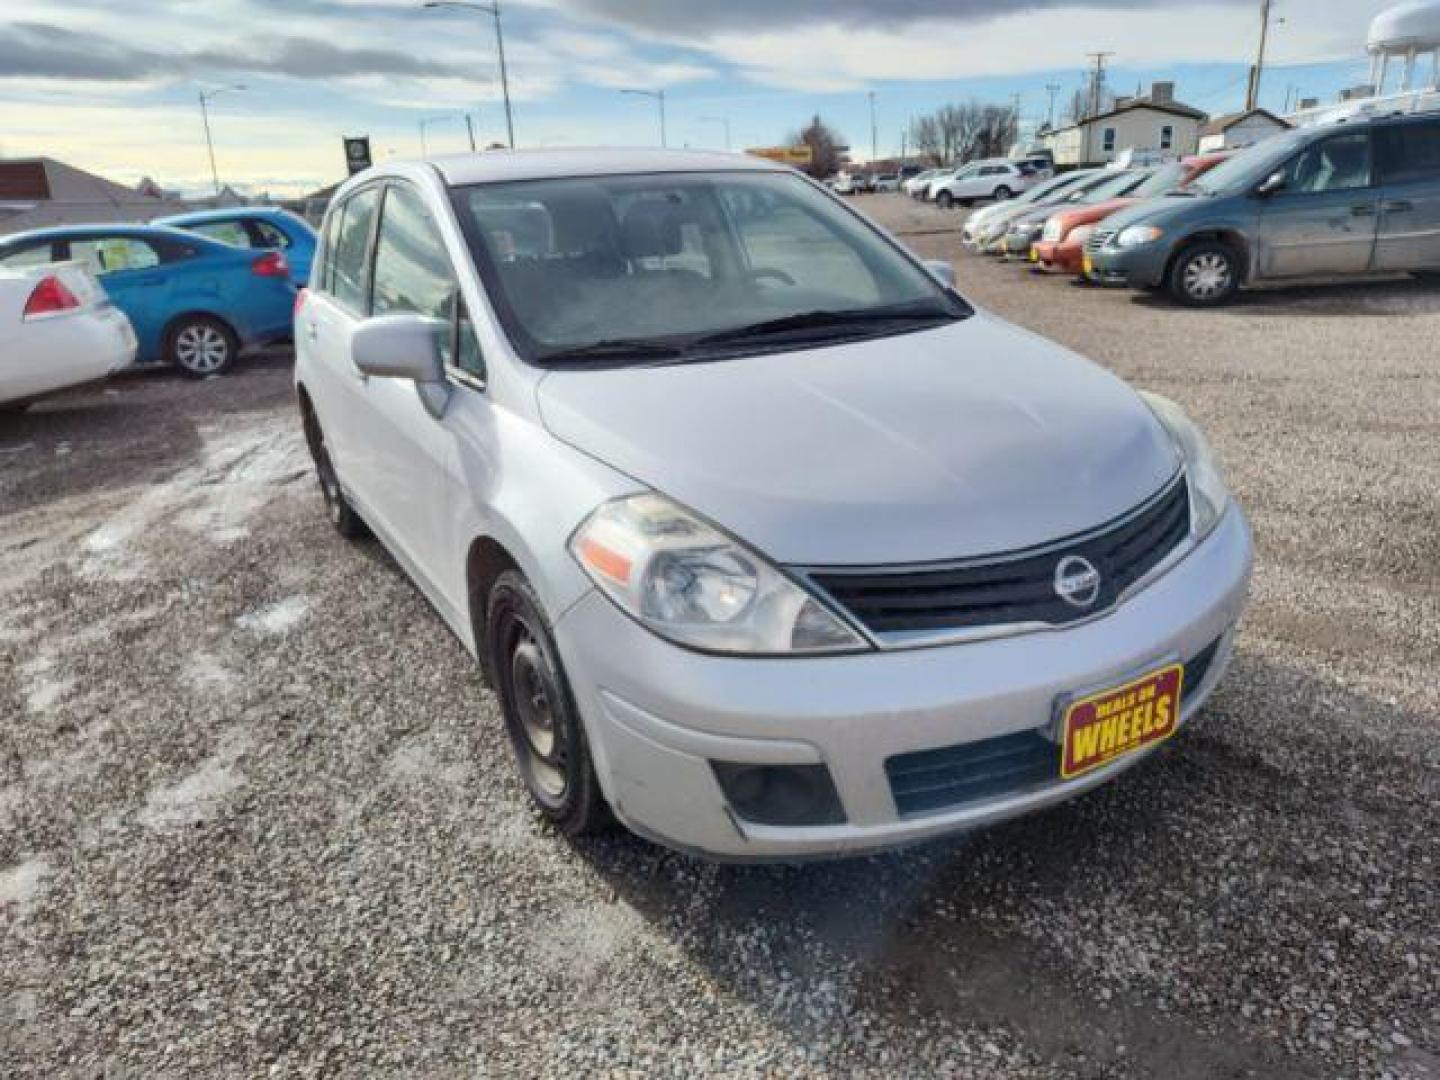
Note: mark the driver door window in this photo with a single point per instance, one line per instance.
(1338, 164)
(787, 248)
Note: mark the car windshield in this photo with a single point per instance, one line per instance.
(1163, 179)
(1120, 184)
(1249, 166)
(1047, 188)
(653, 267)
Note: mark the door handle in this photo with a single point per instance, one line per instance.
(1397, 206)
(311, 330)
(1363, 210)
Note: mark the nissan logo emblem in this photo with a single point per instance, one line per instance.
(1077, 582)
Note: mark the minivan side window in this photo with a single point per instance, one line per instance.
(1340, 163)
(1408, 152)
(413, 273)
(349, 277)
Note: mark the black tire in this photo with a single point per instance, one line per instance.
(342, 515)
(545, 729)
(1430, 277)
(944, 200)
(201, 346)
(1002, 193)
(1205, 274)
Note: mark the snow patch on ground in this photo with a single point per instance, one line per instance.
(20, 885)
(199, 796)
(275, 619)
(43, 687)
(203, 672)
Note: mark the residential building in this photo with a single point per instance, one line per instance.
(1236, 130)
(38, 192)
(1152, 124)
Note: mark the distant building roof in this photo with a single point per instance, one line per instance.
(1174, 108)
(36, 192)
(1221, 124)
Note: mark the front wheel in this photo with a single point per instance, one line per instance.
(341, 514)
(944, 200)
(541, 719)
(1205, 274)
(1002, 193)
(201, 346)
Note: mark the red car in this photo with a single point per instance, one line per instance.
(1062, 245)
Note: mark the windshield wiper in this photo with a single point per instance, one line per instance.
(612, 351)
(831, 320)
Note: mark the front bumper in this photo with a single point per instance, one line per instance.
(658, 715)
(1136, 268)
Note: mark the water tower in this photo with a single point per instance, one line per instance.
(1407, 33)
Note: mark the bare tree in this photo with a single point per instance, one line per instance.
(925, 137)
(957, 133)
(825, 146)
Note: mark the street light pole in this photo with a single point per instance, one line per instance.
(493, 10)
(874, 131)
(205, 96)
(659, 96)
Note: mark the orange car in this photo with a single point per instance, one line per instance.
(1062, 245)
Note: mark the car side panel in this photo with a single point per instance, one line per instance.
(1409, 227)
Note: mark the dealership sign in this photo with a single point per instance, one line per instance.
(357, 154)
(786, 155)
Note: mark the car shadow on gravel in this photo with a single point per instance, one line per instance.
(1205, 880)
(1385, 298)
(136, 426)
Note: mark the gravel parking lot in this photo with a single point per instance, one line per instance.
(257, 815)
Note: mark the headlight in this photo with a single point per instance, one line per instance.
(1053, 230)
(1208, 494)
(1136, 235)
(689, 583)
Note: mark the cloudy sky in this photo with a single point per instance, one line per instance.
(111, 84)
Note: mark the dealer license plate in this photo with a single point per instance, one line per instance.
(1104, 727)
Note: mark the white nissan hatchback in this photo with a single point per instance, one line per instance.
(770, 544)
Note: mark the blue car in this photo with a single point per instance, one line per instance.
(259, 227)
(194, 302)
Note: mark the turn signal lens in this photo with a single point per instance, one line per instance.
(50, 297)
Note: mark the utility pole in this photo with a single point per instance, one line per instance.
(1252, 94)
(874, 131)
(470, 127)
(1052, 89)
(659, 97)
(1097, 81)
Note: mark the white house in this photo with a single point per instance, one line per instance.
(1156, 123)
(1236, 130)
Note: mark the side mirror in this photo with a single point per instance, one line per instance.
(942, 271)
(404, 347)
(1271, 184)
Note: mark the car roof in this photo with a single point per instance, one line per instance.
(110, 228)
(200, 217)
(498, 166)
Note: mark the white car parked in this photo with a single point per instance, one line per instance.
(998, 179)
(58, 329)
(768, 541)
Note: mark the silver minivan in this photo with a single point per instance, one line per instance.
(770, 544)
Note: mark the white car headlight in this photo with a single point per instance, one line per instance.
(689, 583)
(1136, 235)
(1208, 494)
(1053, 231)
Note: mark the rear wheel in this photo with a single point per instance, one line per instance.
(541, 719)
(201, 346)
(944, 200)
(1205, 274)
(341, 514)
(1002, 193)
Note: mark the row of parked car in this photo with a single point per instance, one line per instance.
(79, 302)
(1359, 197)
(997, 179)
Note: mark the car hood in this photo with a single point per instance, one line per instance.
(1085, 215)
(969, 439)
(1157, 209)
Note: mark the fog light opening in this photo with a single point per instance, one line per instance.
(780, 794)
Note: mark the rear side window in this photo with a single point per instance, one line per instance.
(351, 251)
(227, 232)
(109, 254)
(1408, 153)
(265, 235)
(34, 255)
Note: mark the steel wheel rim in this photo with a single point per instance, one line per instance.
(540, 735)
(201, 348)
(1207, 275)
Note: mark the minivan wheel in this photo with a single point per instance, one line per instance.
(541, 719)
(1205, 274)
(200, 346)
(944, 200)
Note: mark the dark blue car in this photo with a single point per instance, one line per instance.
(194, 302)
(262, 228)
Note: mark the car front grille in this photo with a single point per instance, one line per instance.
(1097, 240)
(1014, 589)
(930, 781)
